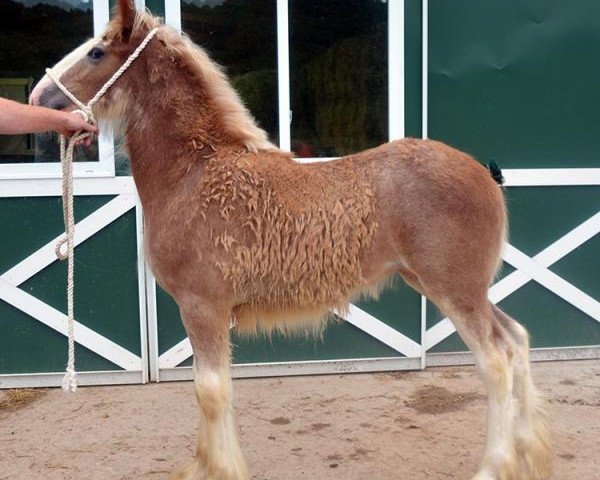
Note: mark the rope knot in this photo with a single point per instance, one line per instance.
(87, 114)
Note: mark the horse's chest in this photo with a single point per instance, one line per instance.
(174, 250)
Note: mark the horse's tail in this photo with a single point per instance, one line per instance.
(496, 172)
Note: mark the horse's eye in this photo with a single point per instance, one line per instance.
(96, 53)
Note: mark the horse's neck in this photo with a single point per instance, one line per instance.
(168, 140)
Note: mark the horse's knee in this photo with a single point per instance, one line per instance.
(213, 391)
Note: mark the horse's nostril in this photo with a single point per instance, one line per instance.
(50, 97)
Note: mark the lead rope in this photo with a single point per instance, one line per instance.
(66, 157)
(69, 383)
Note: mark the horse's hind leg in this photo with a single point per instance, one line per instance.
(516, 445)
(530, 431)
(218, 455)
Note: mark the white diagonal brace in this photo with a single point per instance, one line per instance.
(58, 321)
(382, 332)
(176, 354)
(87, 227)
(553, 282)
(515, 280)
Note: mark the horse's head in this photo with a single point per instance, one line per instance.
(87, 68)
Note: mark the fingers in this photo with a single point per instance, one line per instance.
(74, 122)
(88, 127)
(86, 141)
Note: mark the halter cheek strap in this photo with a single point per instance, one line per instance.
(86, 109)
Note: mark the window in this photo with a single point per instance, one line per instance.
(241, 36)
(338, 73)
(314, 74)
(35, 35)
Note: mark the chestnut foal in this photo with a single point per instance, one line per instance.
(236, 229)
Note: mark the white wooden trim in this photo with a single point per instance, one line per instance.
(283, 75)
(84, 229)
(423, 331)
(543, 177)
(101, 12)
(15, 171)
(310, 367)
(173, 14)
(106, 154)
(153, 347)
(515, 280)
(52, 187)
(365, 365)
(440, 331)
(141, 277)
(425, 68)
(442, 359)
(527, 177)
(58, 321)
(54, 379)
(106, 142)
(396, 69)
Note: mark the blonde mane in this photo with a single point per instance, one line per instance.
(237, 121)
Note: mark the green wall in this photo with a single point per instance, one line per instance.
(516, 82)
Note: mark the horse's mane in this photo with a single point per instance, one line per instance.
(236, 120)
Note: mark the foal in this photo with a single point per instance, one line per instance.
(236, 229)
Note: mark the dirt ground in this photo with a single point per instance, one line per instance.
(404, 425)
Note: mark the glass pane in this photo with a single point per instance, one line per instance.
(241, 35)
(35, 35)
(338, 68)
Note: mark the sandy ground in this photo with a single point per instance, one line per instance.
(405, 425)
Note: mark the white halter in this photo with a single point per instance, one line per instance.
(66, 158)
(86, 109)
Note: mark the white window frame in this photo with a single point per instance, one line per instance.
(105, 166)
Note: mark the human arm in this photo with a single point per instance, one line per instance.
(17, 118)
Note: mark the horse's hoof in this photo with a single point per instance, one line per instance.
(192, 472)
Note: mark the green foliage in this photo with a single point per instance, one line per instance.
(347, 89)
(256, 89)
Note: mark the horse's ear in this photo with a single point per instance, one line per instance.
(126, 16)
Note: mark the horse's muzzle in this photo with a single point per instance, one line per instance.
(47, 94)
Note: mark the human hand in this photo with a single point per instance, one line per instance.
(72, 122)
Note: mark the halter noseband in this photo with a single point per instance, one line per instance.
(85, 110)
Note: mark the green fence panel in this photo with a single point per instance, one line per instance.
(106, 289)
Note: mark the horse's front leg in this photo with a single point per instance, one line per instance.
(218, 454)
